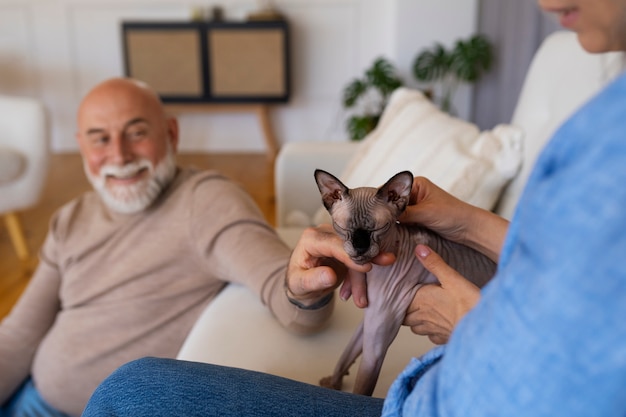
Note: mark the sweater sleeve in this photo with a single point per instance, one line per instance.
(28, 322)
(236, 244)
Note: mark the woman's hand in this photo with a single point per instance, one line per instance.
(437, 210)
(454, 219)
(319, 264)
(437, 308)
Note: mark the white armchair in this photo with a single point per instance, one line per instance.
(561, 77)
(24, 158)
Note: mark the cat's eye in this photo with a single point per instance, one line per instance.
(345, 231)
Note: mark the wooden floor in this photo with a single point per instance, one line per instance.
(66, 180)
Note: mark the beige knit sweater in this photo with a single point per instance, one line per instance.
(111, 288)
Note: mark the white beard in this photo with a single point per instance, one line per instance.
(135, 197)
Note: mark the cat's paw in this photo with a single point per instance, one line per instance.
(327, 382)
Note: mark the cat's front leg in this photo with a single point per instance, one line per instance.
(381, 326)
(349, 355)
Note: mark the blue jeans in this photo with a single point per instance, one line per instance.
(167, 387)
(26, 402)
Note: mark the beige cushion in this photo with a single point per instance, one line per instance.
(414, 135)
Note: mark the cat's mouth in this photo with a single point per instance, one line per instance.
(362, 245)
(362, 260)
(362, 255)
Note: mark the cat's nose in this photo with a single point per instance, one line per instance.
(361, 241)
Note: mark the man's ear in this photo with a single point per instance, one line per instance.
(172, 132)
(396, 191)
(331, 189)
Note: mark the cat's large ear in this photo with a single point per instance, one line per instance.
(397, 191)
(331, 189)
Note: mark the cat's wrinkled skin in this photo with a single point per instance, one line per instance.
(365, 218)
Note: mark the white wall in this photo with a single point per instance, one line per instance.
(421, 23)
(58, 49)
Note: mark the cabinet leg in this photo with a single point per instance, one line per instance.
(268, 133)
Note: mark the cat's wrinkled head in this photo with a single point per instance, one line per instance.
(363, 216)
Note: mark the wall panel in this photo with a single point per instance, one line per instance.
(17, 51)
(58, 49)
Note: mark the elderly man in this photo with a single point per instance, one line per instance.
(126, 270)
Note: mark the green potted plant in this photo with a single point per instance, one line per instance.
(375, 87)
(466, 62)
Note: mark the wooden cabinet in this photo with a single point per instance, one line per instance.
(210, 62)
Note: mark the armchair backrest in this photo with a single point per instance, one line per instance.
(561, 77)
(23, 129)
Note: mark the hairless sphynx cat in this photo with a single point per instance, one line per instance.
(365, 218)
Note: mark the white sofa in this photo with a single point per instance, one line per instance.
(237, 330)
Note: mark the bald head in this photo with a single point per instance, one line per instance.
(120, 92)
(110, 108)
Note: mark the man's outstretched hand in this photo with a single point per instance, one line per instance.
(319, 264)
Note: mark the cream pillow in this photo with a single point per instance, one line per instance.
(415, 135)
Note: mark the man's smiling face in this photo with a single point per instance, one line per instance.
(127, 144)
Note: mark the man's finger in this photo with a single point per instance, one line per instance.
(312, 280)
(355, 285)
(329, 245)
(384, 259)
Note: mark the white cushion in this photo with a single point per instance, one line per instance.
(12, 164)
(414, 135)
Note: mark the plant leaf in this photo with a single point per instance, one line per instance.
(360, 126)
(432, 64)
(382, 76)
(471, 58)
(353, 91)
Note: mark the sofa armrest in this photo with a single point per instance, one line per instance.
(295, 187)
